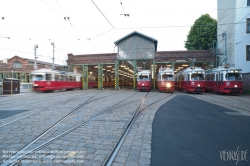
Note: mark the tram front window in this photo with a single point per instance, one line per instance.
(197, 77)
(233, 76)
(142, 78)
(167, 77)
(37, 77)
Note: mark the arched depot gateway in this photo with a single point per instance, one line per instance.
(118, 70)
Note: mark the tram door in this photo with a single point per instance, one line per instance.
(219, 78)
(217, 82)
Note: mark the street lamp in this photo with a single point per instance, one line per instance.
(36, 46)
(53, 55)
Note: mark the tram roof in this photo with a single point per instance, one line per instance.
(144, 72)
(221, 68)
(44, 70)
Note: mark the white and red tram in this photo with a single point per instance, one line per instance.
(224, 80)
(191, 79)
(166, 80)
(50, 80)
(144, 80)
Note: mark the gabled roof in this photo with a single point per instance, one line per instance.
(138, 34)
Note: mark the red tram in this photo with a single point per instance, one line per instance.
(50, 80)
(165, 80)
(224, 80)
(144, 80)
(191, 80)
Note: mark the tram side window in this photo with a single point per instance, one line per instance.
(48, 77)
(212, 77)
(208, 77)
(197, 77)
(73, 78)
(59, 77)
(37, 77)
(63, 78)
(188, 77)
(221, 77)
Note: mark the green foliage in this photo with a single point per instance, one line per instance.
(202, 33)
(246, 92)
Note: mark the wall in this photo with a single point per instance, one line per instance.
(241, 37)
(226, 20)
(246, 81)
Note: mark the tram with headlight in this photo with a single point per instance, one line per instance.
(191, 79)
(224, 79)
(144, 80)
(48, 80)
(166, 80)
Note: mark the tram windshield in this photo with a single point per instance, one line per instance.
(197, 77)
(167, 77)
(233, 76)
(37, 77)
(143, 78)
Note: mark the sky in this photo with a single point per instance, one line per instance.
(92, 26)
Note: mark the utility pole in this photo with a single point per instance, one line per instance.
(224, 35)
(53, 56)
(35, 67)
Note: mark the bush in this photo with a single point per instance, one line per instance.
(246, 92)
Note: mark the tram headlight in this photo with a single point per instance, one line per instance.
(199, 85)
(235, 86)
(168, 85)
(142, 84)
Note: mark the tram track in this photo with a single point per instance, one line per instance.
(231, 97)
(23, 99)
(230, 104)
(39, 111)
(110, 158)
(53, 104)
(24, 151)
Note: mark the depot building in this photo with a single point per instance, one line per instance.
(135, 50)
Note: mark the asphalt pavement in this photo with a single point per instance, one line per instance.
(192, 132)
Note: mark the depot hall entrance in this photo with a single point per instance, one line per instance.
(134, 51)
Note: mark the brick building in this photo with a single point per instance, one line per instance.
(20, 68)
(134, 50)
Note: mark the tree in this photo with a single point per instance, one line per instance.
(202, 33)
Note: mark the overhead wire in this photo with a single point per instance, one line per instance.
(102, 14)
(64, 12)
(52, 9)
(124, 13)
(239, 21)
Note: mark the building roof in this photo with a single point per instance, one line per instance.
(42, 62)
(138, 34)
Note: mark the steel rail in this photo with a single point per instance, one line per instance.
(61, 102)
(15, 158)
(109, 160)
(216, 101)
(231, 97)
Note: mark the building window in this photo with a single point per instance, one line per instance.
(248, 25)
(248, 53)
(248, 2)
(17, 64)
